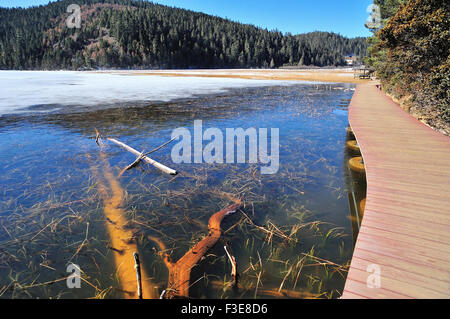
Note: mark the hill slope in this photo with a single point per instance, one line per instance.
(140, 34)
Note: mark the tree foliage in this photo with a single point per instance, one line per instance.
(140, 34)
(388, 8)
(411, 53)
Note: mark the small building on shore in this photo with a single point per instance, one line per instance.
(351, 59)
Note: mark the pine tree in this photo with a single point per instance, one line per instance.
(301, 62)
(147, 34)
(272, 64)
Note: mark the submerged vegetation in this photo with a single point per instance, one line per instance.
(140, 34)
(411, 54)
(291, 237)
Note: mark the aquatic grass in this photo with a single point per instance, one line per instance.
(285, 214)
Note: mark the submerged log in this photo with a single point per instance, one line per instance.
(179, 272)
(122, 240)
(140, 155)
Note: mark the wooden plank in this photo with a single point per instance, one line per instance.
(350, 295)
(406, 225)
(401, 275)
(404, 209)
(411, 289)
(404, 228)
(412, 226)
(405, 259)
(418, 247)
(410, 238)
(361, 288)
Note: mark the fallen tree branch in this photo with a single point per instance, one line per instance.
(179, 272)
(142, 155)
(135, 163)
(137, 266)
(97, 137)
(233, 262)
(160, 147)
(147, 159)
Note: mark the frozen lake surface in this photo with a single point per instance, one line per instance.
(70, 91)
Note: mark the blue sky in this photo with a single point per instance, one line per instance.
(346, 17)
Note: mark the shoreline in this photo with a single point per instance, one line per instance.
(336, 75)
(315, 75)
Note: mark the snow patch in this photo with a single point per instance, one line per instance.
(41, 91)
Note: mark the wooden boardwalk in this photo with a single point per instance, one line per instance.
(405, 231)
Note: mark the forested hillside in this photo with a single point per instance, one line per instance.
(411, 56)
(140, 34)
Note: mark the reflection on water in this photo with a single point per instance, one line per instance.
(293, 237)
(357, 185)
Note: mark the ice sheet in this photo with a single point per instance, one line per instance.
(41, 91)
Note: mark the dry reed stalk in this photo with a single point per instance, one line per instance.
(284, 293)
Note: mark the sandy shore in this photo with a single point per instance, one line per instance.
(320, 75)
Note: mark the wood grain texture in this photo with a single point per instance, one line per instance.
(406, 224)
